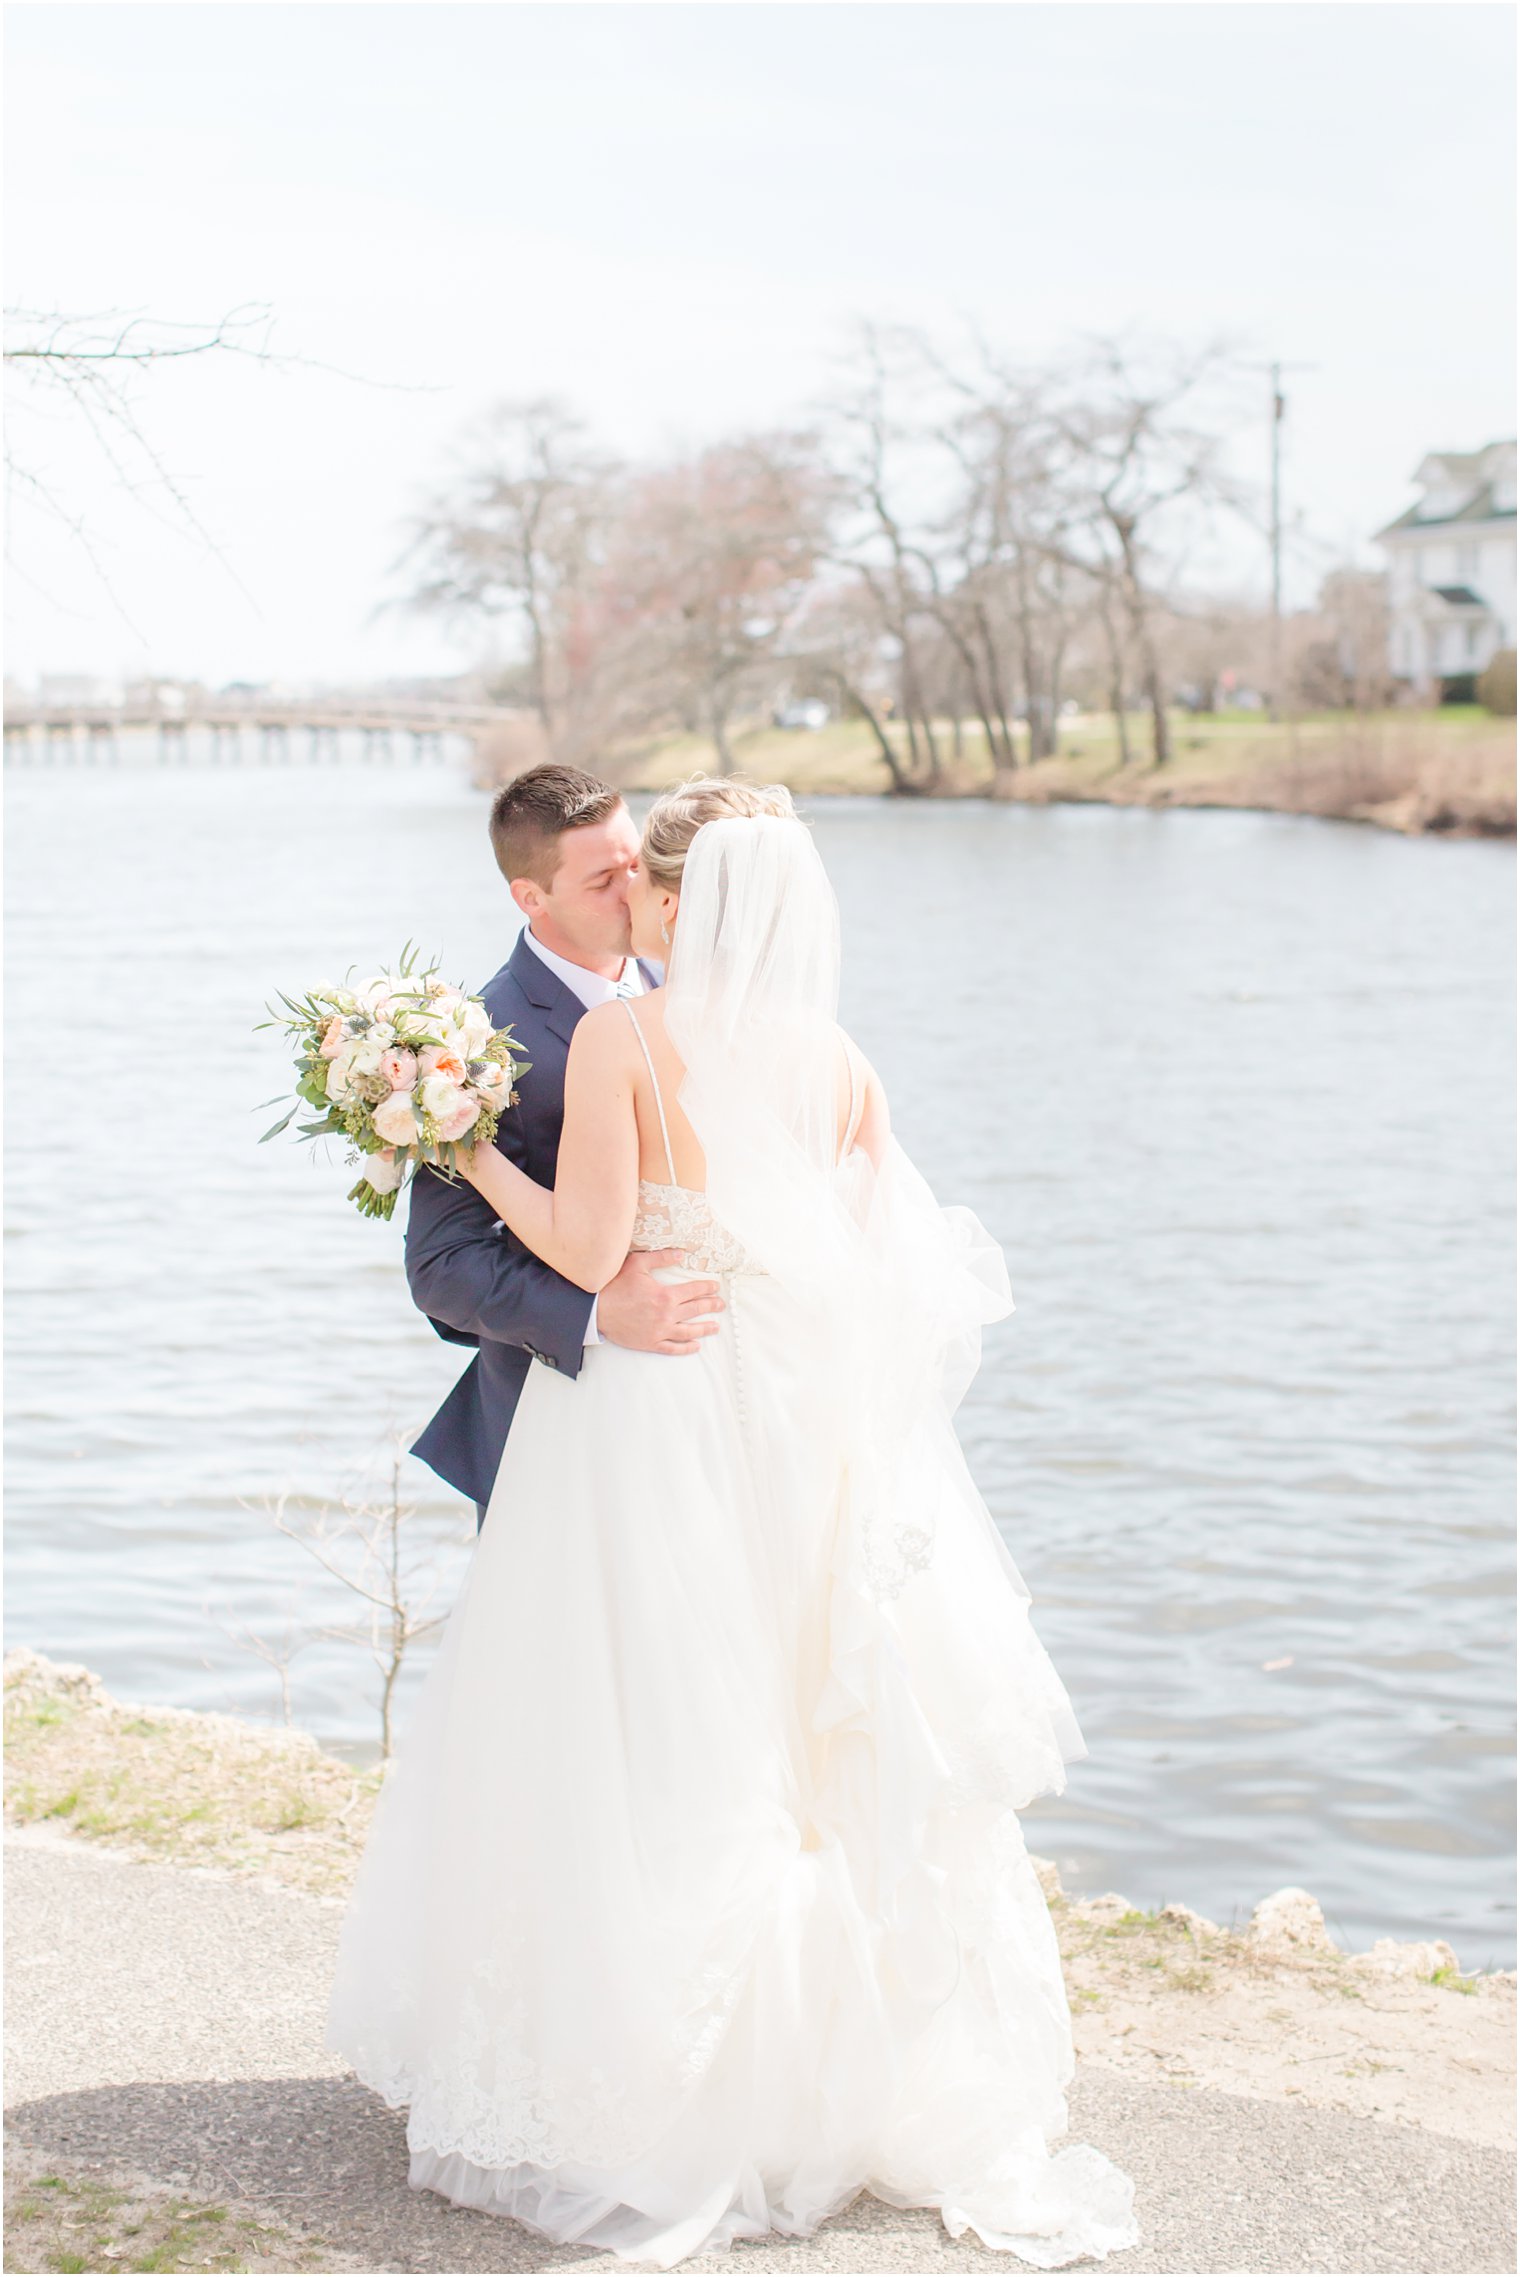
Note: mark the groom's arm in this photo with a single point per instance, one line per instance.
(474, 1279)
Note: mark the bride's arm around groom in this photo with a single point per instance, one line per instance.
(564, 843)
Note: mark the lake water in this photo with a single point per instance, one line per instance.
(1234, 1091)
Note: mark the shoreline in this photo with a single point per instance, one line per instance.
(1272, 2010)
(1420, 776)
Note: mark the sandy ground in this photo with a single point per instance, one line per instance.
(1278, 2011)
(174, 1886)
(1272, 2011)
(164, 2039)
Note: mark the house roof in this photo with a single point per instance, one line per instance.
(1479, 507)
(1459, 596)
(1460, 466)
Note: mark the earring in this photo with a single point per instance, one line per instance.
(664, 932)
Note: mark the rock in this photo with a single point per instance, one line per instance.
(34, 1672)
(1290, 1921)
(1109, 1907)
(1388, 1958)
(1183, 1917)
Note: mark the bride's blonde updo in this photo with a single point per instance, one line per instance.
(676, 816)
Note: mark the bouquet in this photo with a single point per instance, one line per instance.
(402, 1066)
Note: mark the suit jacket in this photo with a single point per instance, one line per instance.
(472, 1277)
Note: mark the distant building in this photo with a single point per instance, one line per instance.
(77, 691)
(1451, 572)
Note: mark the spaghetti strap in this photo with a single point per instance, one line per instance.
(670, 1160)
(850, 1119)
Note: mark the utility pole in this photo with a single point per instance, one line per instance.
(1275, 703)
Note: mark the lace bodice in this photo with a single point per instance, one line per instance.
(677, 1217)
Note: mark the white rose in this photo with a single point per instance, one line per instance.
(450, 1106)
(437, 1094)
(338, 1073)
(475, 1027)
(367, 1055)
(384, 1171)
(395, 1121)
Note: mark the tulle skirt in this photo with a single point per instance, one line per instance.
(697, 1901)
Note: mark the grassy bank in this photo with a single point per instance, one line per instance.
(167, 1783)
(65, 2222)
(1268, 2006)
(1450, 771)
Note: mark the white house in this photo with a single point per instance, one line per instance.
(1451, 570)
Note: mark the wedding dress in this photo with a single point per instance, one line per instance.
(697, 1901)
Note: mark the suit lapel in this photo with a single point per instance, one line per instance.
(560, 1005)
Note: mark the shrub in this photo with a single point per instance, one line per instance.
(1496, 684)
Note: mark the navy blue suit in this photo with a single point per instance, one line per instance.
(473, 1278)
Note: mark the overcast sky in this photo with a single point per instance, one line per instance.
(669, 214)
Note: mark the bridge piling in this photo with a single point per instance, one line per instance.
(239, 726)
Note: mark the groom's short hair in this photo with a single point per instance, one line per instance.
(531, 814)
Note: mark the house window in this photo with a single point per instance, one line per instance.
(1467, 564)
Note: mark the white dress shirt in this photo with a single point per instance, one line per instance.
(592, 989)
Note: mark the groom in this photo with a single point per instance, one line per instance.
(565, 844)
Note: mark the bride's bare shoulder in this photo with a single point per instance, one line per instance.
(604, 1034)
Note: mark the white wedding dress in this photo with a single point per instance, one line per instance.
(697, 1901)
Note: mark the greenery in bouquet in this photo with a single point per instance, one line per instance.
(402, 1066)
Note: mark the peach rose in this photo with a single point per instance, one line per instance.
(332, 1036)
(399, 1068)
(438, 1060)
(395, 1120)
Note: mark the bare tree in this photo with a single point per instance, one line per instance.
(91, 370)
(888, 481)
(999, 525)
(1354, 606)
(518, 535)
(959, 535)
(713, 558)
(277, 1653)
(1138, 457)
(836, 645)
(367, 1547)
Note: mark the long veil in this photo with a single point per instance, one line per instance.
(894, 1291)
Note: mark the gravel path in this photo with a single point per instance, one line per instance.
(170, 2022)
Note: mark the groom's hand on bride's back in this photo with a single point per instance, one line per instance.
(648, 1315)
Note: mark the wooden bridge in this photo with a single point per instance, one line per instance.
(230, 729)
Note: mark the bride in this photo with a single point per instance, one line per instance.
(698, 1901)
